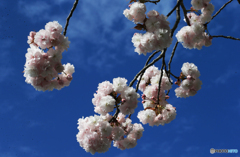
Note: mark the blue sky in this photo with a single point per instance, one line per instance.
(44, 124)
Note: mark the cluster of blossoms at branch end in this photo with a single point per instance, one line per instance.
(109, 95)
(42, 68)
(194, 36)
(97, 132)
(191, 83)
(157, 36)
(155, 113)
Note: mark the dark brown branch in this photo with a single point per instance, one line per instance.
(69, 16)
(159, 84)
(155, 2)
(220, 10)
(149, 58)
(143, 70)
(168, 92)
(185, 13)
(165, 67)
(172, 32)
(114, 118)
(228, 37)
(177, 5)
(174, 75)
(139, 81)
(238, 1)
(173, 52)
(170, 61)
(177, 20)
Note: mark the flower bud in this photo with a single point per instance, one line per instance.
(69, 77)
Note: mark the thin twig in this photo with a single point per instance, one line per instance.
(220, 10)
(185, 13)
(155, 2)
(177, 5)
(168, 92)
(115, 115)
(173, 52)
(143, 69)
(149, 58)
(165, 67)
(177, 20)
(69, 16)
(228, 37)
(170, 61)
(174, 75)
(159, 84)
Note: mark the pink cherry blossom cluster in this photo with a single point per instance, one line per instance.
(191, 83)
(157, 36)
(155, 113)
(194, 36)
(109, 95)
(159, 115)
(152, 76)
(136, 12)
(206, 10)
(42, 68)
(96, 133)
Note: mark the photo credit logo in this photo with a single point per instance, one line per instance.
(212, 150)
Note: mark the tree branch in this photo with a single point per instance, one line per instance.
(160, 80)
(69, 16)
(143, 69)
(177, 20)
(221, 9)
(228, 37)
(174, 75)
(165, 67)
(170, 61)
(115, 115)
(177, 5)
(149, 58)
(185, 13)
(155, 2)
